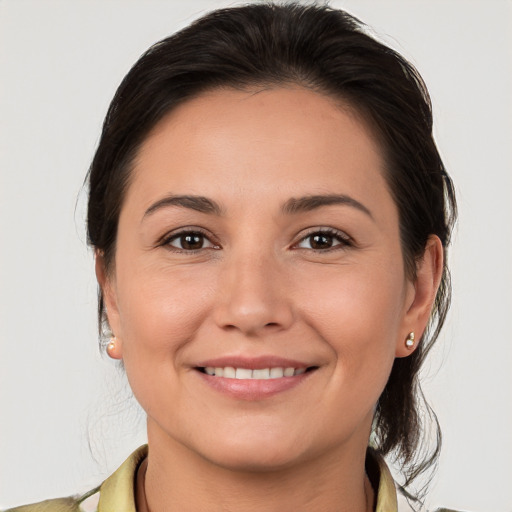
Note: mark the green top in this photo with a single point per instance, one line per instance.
(117, 494)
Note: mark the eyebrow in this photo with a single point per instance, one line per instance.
(198, 203)
(292, 206)
(309, 203)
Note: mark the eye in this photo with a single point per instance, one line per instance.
(323, 240)
(189, 241)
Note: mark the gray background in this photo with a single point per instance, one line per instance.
(65, 419)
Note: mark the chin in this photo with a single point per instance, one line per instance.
(254, 455)
(256, 462)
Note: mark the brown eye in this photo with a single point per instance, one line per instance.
(320, 241)
(190, 241)
(324, 240)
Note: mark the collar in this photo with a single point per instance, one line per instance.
(118, 491)
(386, 490)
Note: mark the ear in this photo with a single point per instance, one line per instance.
(110, 303)
(421, 295)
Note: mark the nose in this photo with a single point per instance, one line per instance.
(253, 296)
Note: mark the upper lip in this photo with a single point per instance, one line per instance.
(253, 363)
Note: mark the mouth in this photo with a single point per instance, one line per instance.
(254, 378)
(240, 373)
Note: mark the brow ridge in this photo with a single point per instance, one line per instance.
(292, 206)
(198, 203)
(312, 202)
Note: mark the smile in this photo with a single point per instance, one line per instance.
(253, 378)
(229, 372)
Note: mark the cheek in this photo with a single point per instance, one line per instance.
(358, 312)
(354, 300)
(161, 311)
(160, 307)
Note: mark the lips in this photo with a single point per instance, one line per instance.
(253, 378)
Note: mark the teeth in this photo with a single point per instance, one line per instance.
(243, 373)
(288, 372)
(229, 372)
(276, 373)
(261, 374)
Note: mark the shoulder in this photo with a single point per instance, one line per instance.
(57, 505)
(447, 510)
(391, 497)
(85, 503)
(115, 493)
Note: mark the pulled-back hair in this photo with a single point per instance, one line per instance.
(328, 51)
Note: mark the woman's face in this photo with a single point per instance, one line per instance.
(258, 236)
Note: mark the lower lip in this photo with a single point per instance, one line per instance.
(253, 389)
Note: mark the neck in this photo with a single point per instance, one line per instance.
(176, 478)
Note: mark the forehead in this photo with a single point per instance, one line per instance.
(232, 143)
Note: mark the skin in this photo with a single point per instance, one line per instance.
(257, 286)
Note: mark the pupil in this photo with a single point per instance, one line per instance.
(192, 241)
(321, 241)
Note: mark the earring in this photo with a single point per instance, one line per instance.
(111, 347)
(409, 342)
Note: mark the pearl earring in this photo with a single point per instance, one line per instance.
(111, 347)
(409, 342)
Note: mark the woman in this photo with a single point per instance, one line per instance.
(269, 215)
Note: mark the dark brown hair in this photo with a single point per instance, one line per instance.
(329, 51)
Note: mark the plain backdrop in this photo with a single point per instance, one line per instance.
(66, 419)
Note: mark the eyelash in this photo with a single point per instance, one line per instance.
(343, 239)
(166, 241)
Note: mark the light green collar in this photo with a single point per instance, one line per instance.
(118, 491)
